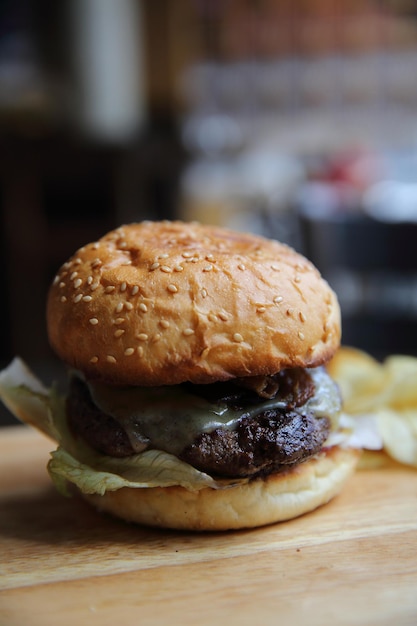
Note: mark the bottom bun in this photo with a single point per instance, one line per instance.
(261, 501)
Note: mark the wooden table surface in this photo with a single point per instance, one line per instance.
(353, 561)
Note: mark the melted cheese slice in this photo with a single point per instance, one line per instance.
(171, 417)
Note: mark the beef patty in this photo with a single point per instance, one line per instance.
(267, 442)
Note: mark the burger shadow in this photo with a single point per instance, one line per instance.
(49, 519)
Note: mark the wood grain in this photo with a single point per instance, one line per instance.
(353, 561)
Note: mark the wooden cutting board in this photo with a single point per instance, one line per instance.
(353, 561)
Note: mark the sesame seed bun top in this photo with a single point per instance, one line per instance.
(166, 302)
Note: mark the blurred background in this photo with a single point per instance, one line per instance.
(295, 119)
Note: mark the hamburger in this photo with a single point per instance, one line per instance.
(198, 396)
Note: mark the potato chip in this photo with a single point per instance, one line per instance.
(401, 389)
(387, 391)
(360, 377)
(399, 434)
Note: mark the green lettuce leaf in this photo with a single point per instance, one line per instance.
(27, 398)
(152, 468)
(74, 461)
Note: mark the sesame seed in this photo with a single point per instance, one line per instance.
(93, 321)
(207, 268)
(63, 299)
(111, 359)
(275, 267)
(209, 257)
(77, 261)
(129, 306)
(301, 335)
(73, 275)
(164, 323)
(188, 331)
(119, 307)
(237, 337)
(289, 312)
(195, 259)
(302, 316)
(172, 288)
(261, 309)
(204, 353)
(241, 266)
(135, 290)
(166, 269)
(78, 297)
(278, 299)
(94, 246)
(87, 298)
(156, 337)
(61, 285)
(223, 316)
(119, 332)
(56, 279)
(129, 351)
(97, 263)
(94, 359)
(143, 307)
(93, 287)
(163, 256)
(123, 286)
(119, 320)
(143, 337)
(178, 268)
(204, 293)
(154, 266)
(212, 317)
(187, 255)
(90, 280)
(140, 351)
(297, 279)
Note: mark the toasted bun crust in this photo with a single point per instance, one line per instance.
(276, 498)
(166, 302)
